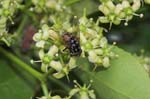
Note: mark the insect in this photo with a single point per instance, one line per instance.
(72, 44)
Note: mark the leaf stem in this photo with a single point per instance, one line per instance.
(23, 65)
(36, 74)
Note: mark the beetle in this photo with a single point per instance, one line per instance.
(72, 44)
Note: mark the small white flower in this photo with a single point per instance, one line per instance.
(83, 91)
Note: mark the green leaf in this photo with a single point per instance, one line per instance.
(13, 86)
(125, 79)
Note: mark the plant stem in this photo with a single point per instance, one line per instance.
(35, 73)
(23, 65)
(44, 88)
(28, 68)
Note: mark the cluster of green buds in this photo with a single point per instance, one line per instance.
(7, 10)
(82, 92)
(116, 12)
(94, 44)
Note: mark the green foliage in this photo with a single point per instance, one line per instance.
(125, 79)
(35, 32)
(12, 85)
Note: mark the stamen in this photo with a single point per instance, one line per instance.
(77, 84)
(139, 15)
(32, 61)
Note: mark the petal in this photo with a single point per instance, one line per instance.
(45, 30)
(103, 42)
(53, 50)
(58, 75)
(84, 95)
(72, 63)
(41, 53)
(74, 91)
(106, 62)
(56, 65)
(44, 67)
(103, 19)
(91, 94)
(37, 36)
(56, 97)
(40, 44)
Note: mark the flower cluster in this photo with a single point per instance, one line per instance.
(50, 52)
(83, 93)
(93, 44)
(115, 13)
(7, 10)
